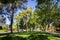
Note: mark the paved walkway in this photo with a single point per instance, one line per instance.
(3, 33)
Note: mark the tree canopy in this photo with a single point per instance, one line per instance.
(11, 1)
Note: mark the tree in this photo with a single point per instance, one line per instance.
(33, 21)
(12, 4)
(23, 17)
(47, 12)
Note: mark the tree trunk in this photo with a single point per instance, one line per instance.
(11, 23)
(7, 26)
(17, 28)
(48, 27)
(12, 16)
(26, 27)
(26, 18)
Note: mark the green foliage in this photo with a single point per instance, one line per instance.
(21, 23)
(42, 1)
(56, 24)
(10, 1)
(7, 1)
(23, 17)
(14, 26)
(4, 27)
(46, 12)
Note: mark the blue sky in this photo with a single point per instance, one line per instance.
(29, 3)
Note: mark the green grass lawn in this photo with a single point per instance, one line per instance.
(28, 34)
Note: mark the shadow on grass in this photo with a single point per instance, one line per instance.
(9, 37)
(57, 36)
(31, 37)
(38, 37)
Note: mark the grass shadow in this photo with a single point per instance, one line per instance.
(38, 37)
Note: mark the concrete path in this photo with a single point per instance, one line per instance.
(3, 33)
